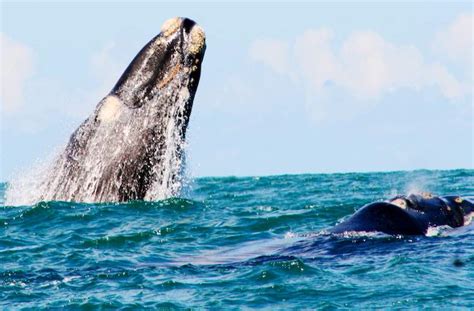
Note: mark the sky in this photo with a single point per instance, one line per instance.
(285, 87)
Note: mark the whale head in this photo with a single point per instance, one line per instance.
(170, 61)
(454, 211)
(465, 204)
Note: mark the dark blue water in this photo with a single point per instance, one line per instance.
(236, 243)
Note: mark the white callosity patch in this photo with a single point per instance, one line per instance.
(197, 40)
(171, 26)
(110, 109)
(400, 203)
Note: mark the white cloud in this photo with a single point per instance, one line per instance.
(365, 65)
(273, 53)
(448, 84)
(31, 108)
(16, 68)
(371, 65)
(456, 41)
(316, 61)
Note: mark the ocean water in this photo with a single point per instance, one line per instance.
(236, 243)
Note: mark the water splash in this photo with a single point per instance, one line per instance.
(101, 156)
(27, 185)
(173, 158)
(420, 184)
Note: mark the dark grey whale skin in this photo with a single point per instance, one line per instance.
(419, 214)
(168, 66)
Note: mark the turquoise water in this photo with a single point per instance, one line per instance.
(236, 243)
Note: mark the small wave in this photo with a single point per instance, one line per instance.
(171, 203)
(266, 222)
(437, 231)
(294, 266)
(362, 234)
(120, 240)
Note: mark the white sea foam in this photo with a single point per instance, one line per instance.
(468, 219)
(437, 231)
(361, 234)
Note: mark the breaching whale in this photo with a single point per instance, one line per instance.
(409, 215)
(131, 147)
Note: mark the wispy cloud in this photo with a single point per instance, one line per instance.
(273, 53)
(366, 66)
(17, 66)
(32, 107)
(456, 41)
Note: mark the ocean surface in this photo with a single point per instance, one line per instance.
(236, 243)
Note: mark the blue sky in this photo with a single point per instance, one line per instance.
(285, 88)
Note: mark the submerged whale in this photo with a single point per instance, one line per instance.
(131, 147)
(413, 214)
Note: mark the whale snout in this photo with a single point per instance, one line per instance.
(191, 33)
(173, 24)
(171, 60)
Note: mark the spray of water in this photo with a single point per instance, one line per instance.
(26, 185)
(113, 149)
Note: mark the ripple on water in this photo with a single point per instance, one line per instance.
(236, 243)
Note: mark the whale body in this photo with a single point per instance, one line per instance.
(413, 214)
(131, 147)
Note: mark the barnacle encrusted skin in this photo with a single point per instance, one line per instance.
(197, 40)
(170, 26)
